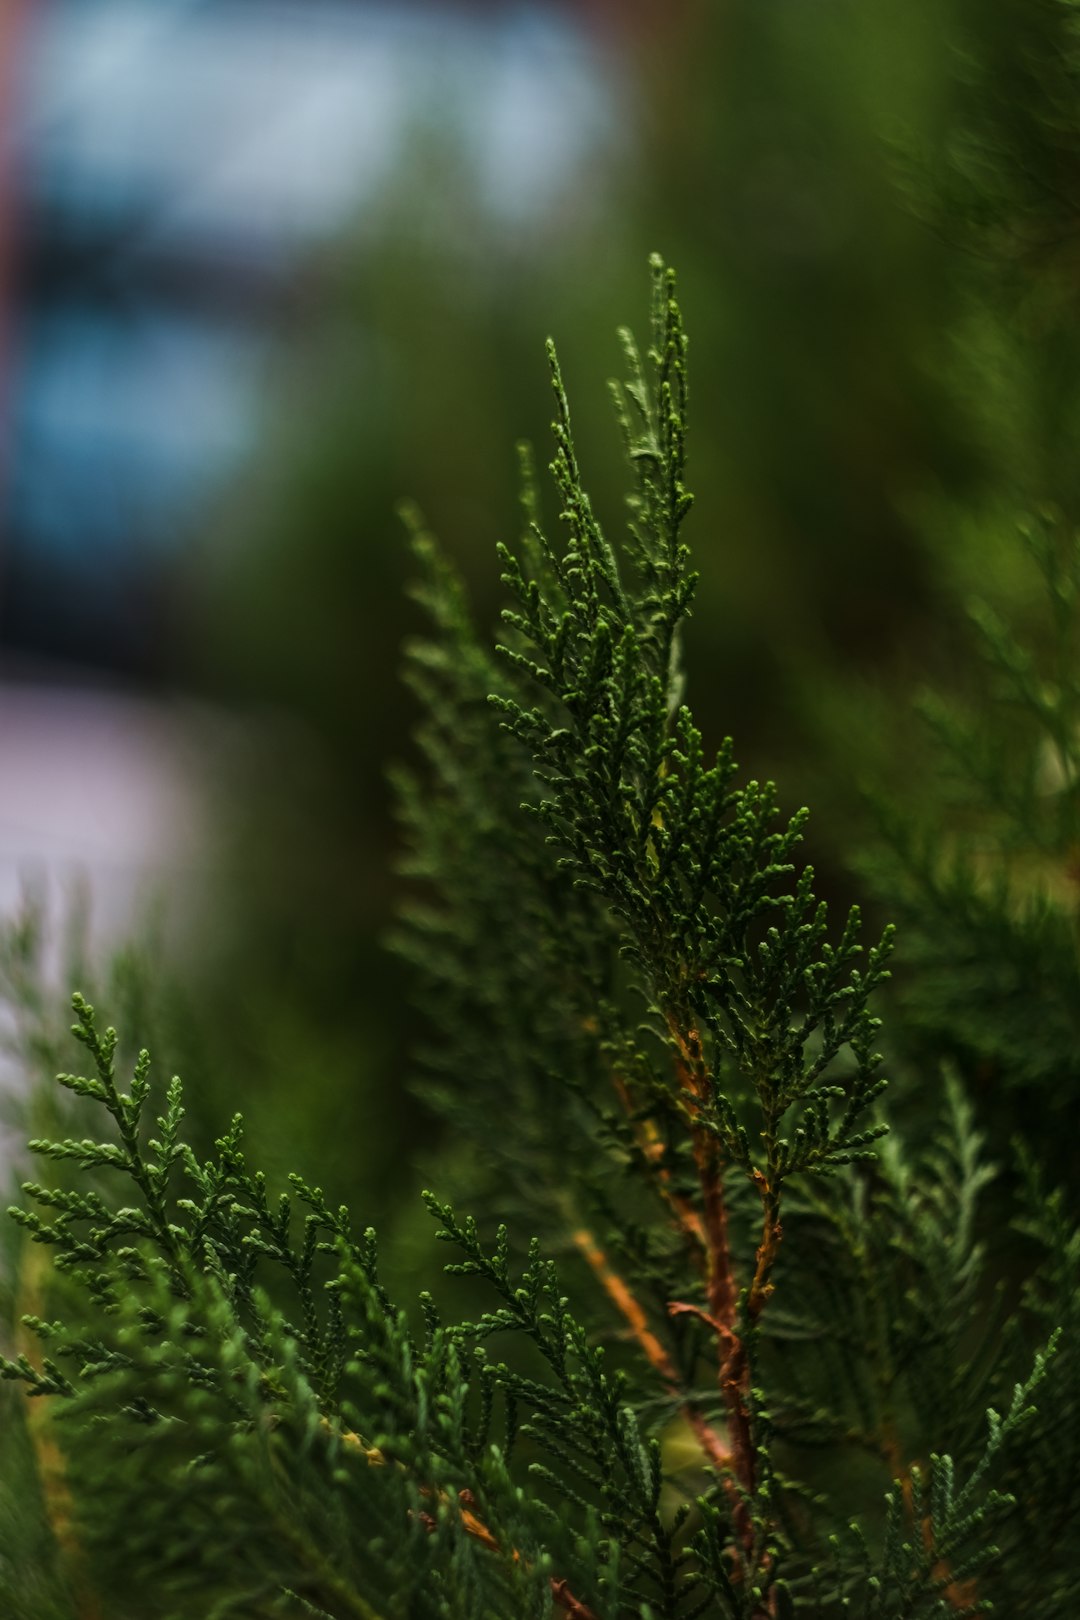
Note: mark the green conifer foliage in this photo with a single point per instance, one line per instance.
(987, 884)
(731, 1351)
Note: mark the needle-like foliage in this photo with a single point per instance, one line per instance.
(721, 1359)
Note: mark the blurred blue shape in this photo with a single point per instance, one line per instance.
(122, 422)
(178, 160)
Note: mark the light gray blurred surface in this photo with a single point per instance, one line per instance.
(101, 790)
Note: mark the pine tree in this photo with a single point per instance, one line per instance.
(726, 1346)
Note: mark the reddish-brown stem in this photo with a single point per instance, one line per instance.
(723, 1293)
(708, 1159)
(565, 1599)
(707, 1228)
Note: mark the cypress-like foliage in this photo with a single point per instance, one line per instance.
(732, 1350)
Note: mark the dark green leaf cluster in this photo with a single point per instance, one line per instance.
(250, 1395)
(1000, 177)
(244, 1413)
(988, 890)
(595, 1454)
(895, 1326)
(504, 1006)
(1044, 1476)
(932, 1571)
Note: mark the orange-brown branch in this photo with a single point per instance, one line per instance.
(771, 1233)
(632, 1313)
(473, 1526)
(652, 1151)
(51, 1466)
(959, 1594)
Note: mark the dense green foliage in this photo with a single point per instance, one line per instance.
(724, 1344)
(716, 1342)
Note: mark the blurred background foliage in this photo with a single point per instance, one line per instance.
(874, 213)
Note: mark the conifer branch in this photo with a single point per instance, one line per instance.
(647, 1138)
(627, 972)
(475, 1528)
(713, 1448)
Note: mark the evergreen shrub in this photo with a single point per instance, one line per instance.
(726, 1345)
